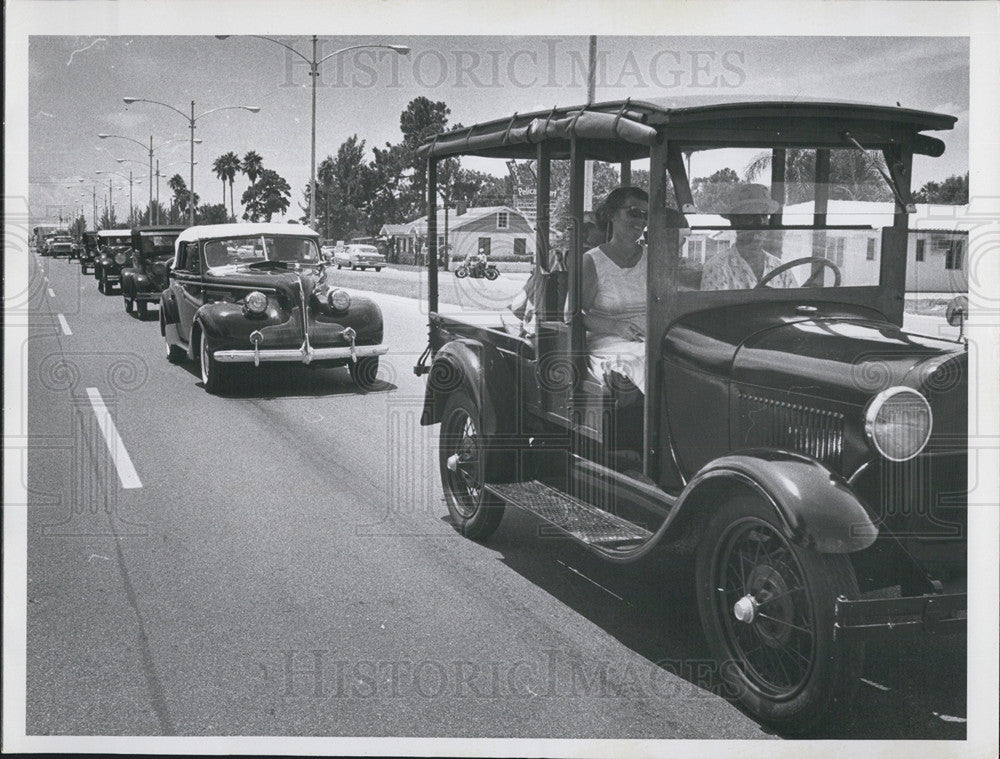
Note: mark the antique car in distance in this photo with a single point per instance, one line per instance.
(61, 245)
(358, 256)
(88, 251)
(114, 252)
(244, 294)
(142, 283)
(795, 449)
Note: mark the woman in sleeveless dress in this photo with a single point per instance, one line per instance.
(614, 289)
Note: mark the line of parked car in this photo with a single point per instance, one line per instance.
(241, 294)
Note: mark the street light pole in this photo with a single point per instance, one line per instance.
(191, 122)
(314, 65)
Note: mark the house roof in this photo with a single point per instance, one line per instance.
(456, 222)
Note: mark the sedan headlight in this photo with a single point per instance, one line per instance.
(339, 300)
(255, 303)
(120, 259)
(898, 423)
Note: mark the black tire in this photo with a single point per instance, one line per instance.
(378, 268)
(101, 283)
(175, 354)
(142, 308)
(215, 376)
(492, 274)
(129, 304)
(364, 372)
(781, 664)
(340, 266)
(462, 272)
(475, 513)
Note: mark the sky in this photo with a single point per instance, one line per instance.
(76, 86)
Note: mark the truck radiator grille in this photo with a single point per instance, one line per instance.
(792, 426)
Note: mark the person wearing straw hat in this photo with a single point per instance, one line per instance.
(741, 267)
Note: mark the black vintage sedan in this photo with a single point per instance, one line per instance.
(114, 251)
(142, 283)
(88, 251)
(243, 294)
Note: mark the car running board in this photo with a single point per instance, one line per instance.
(586, 523)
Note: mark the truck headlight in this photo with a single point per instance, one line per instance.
(255, 303)
(120, 259)
(898, 423)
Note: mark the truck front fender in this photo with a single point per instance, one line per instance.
(817, 508)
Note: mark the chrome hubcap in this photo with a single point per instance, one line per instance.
(745, 609)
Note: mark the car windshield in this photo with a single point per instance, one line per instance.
(750, 220)
(248, 250)
(158, 246)
(63, 239)
(365, 249)
(116, 240)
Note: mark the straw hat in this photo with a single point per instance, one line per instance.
(750, 199)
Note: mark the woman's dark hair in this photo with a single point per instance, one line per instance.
(617, 199)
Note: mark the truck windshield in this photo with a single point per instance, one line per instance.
(752, 219)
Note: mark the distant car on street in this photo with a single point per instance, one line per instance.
(88, 251)
(61, 245)
(142, 283)
(358, 256)
(114, 253)
(252, 293)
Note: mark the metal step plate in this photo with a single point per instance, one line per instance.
(586, 523)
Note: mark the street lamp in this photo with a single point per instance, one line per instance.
(314, 65)
(149, 151)
(191, 122)
(131, 205)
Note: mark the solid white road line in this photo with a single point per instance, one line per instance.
(51, 293)
(64, 324)
(123, 462)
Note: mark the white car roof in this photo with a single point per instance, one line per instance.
(209, 231)
(114, 232)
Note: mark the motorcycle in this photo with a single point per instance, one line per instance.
(477, 270)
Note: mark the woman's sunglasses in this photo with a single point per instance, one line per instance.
(636, 213)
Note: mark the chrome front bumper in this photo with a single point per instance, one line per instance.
(305, 354)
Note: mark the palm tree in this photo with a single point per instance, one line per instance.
(219, 167)
(232, 164)
(252, 165)
(852, 174)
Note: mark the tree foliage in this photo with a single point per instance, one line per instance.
(952, 191)
(270, 194)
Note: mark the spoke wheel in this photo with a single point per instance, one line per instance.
(475, 513)
(767, 607)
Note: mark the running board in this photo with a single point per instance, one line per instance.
(586, 523)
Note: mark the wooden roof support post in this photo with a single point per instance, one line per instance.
(626, 171)
(661, 261)
(777, 183)
(432, 274)
(895, 240)
(578, 337)
(542, 226)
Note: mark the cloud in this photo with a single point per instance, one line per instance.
(126, 120)
(83, 49)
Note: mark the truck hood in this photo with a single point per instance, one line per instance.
(841, 352)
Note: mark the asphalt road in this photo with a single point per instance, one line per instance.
(279, 562)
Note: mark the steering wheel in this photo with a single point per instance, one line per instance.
(798, 262)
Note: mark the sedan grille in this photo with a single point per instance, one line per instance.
(792, 426)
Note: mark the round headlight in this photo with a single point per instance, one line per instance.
(339, 300)
(898, 423)
(256, 302)
(159, 270)
(120, 258)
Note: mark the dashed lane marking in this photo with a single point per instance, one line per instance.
(119, 455)
(51, 293)
(64, 324)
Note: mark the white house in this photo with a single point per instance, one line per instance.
(937, 250)
(501, 232)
